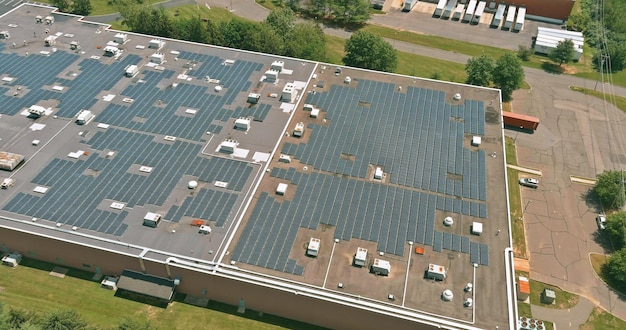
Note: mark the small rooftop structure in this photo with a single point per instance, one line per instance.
(243, 123)
(547, 39)
(120, 38)
(151, 219)
(5, 35)
(157, 58)
(360, 257)
(50, 41)
(381, 267)
(477, 228)
(148, 285)
(271, 76)
(228, 146)
(278, 66)
(9, 161)
(156, 44)
(523, 288)
(49, 20)
(436, 272)
(84, 117)
(281, 189)
(314, 247)
(111, 51)
(254, 98)
(12, 259)
(289, 93)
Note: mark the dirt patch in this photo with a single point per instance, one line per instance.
(58, 272)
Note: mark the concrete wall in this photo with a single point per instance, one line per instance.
(229, 291)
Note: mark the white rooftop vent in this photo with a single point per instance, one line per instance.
(228, 146)
(218, 88)
(192, 184)
(468, 302)
(157, 58)
(457, 97)
(281, 189)
(378, 173)
(289, 93)
(447, 295)
(347, 80)
(5, 35)
(468, 287)
(48, 20)
(476, 140)
(314, 247)
(477, 228)
(156, 44)
(254, 98)
(278, 66)
(120, 38)
(360, 257)
(271, 76)
(448, 221)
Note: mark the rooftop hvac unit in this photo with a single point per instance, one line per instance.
(436, 272)
(84, 117)
(157, 58)
(74, 45)
(278, 66)
(228, 146)
(151, 219)
(156, 44)
(477, 228)
(131, 71)
(360, 257)
(289, 93)
(36, 111)
(50, 41)
(111, 51)
(315, 113)
(38, 19)
(243, 123)
(308, 107)
(447, 295)
(7, 183)
(5, 35)
(281, 189)
(284, 159)
(381, 267)
(9, 161)
(271, 76)
(12, 259)
(254, 98)
(120, 38)
(49, 20)
(298, 131)
(314, 247)
(378, 173)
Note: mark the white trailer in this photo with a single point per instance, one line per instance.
(436, 272)
(360, 258)
(458, 12)
(313, 248)
(480, 9)
(448, 10)
(510, 17)
(12, 259)
(519, 22)
(497, 18)
(469, 13)
(408, 5)
(439, 10)
(381, 267)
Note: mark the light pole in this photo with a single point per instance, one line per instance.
(524, 209)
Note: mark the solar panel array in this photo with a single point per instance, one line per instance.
(38, 71)
(359, 209)
(416, 136)
(78, 187)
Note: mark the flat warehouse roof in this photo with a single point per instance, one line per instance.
(153, 286)
(154, 146)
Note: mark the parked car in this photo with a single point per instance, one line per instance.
(529, 182)
(601, 221)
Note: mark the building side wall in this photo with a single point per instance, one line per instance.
(559, 9)
(262, 299)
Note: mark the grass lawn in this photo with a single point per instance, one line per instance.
(620, 102)
(600, 319)
(30, 285)
(515, 200)
(564, 299)
(597, 261)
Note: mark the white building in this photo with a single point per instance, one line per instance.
(547, 40)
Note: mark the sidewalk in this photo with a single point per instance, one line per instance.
(571, 318)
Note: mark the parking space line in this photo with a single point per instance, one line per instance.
(525, 169)
(579, 179)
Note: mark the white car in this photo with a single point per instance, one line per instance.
(601, 221)
(529, 182)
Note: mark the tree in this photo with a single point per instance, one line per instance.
(369, 51)
(192, 29)
(82, 7)
(616, 268)
(563, 53)
(479, 70)
(351, 11)
(524, 53)
(508, 75)
(609, 189)
(63, 320)
(282, 21)
(615, 224)
(307, 41)
(63, 5)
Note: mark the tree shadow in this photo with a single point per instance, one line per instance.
(618, 288)
(591, 199)
(602, 239)
(552, 68)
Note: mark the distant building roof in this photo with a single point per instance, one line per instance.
(146, 284)
(548, 37)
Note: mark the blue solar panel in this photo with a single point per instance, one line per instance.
(474, 253)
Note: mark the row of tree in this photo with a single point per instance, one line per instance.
(610, 190)
(279, 34)
(19, 319)
(506, 73)
(78, 7)
(604, 28)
